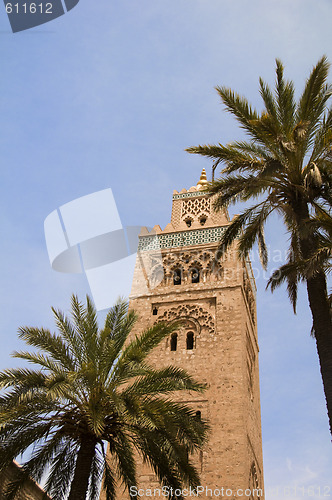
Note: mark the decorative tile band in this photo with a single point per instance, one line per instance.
(188, 195)
(180, 239)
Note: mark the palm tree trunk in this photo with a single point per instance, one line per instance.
(80, 482)
(322, 323)
(321, 313)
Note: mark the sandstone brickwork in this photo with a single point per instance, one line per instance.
(30, 491)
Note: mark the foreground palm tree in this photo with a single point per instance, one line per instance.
(287, 165)
(95, 389)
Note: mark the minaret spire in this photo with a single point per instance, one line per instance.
(202, 183)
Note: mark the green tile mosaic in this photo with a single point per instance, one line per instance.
(180, 239)
(194, 194)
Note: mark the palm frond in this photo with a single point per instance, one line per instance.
(315, 94)
(49, 343)
(240, 108)
(140, 347)
(163, 381)
(108, 484)
(270, 103)
(123, 453)
(285, 101)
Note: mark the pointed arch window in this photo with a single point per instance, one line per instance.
(174, 341)
(190, 340)
(177, 276)
(194, 275)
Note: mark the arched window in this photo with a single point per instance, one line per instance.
(194, 275)
(174, 341)
(198, 415)
(202, 220)
(188, 221)
(190, 340)
(154, 311)
(177, 277)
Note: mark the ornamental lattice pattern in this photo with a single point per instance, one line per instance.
(204, 261)
(188, 311)
(194, 207)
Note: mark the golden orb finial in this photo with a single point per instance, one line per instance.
(202, 183)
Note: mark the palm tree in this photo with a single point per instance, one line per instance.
(286, 164)
(94, 389)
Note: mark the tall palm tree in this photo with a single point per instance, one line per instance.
(286, 165)
(94, 388)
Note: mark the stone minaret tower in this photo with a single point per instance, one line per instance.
(218, 342)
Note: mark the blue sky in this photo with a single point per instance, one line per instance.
(110, 95)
